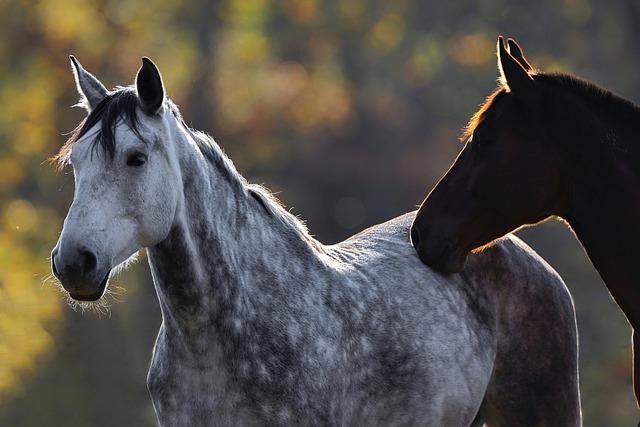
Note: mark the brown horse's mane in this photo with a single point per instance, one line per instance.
(590, 92)
(477, 117)
(587, 91)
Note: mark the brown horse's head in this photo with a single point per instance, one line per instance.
(505, 176)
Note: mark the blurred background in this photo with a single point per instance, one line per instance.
(349, 109)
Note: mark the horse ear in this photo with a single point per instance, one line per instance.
(149, 87)
(89, 87)
(512, 75)
(515, 51)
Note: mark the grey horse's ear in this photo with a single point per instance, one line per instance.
(90, 89)
(149, 87)
(512, 74)
(515, 51)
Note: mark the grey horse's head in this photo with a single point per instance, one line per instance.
(126, 179)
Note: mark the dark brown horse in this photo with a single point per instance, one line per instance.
(543, 145)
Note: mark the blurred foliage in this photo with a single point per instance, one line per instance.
(352, 107)
(28, 312)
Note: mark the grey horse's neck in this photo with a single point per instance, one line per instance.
(225, 247)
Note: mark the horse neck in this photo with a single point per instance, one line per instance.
(603, 210)
(222, 245)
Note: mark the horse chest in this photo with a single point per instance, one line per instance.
(246, 387)
(184, 393)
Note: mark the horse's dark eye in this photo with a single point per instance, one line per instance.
(136, 159)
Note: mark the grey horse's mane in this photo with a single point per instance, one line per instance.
(121, 105)
(212, 151)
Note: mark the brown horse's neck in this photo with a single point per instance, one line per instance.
(604, 209)
(604, 217)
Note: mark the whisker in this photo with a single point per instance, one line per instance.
(101, 307)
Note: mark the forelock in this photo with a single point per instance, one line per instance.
(481, 113)
(118, 106)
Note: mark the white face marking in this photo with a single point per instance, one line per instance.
(119, 205)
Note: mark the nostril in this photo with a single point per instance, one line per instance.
(415, 237)
(88, 260)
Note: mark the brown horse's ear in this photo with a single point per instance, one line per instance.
(516, 52)
(512, 75)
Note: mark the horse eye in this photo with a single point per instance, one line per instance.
(136, 159)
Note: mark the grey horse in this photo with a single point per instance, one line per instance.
(264, 325)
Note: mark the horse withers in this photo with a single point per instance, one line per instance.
(541, 145)
(264, 325)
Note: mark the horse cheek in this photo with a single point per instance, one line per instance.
(160, 212)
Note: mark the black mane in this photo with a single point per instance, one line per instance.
(120, 105)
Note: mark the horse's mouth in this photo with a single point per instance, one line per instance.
(94, 296)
